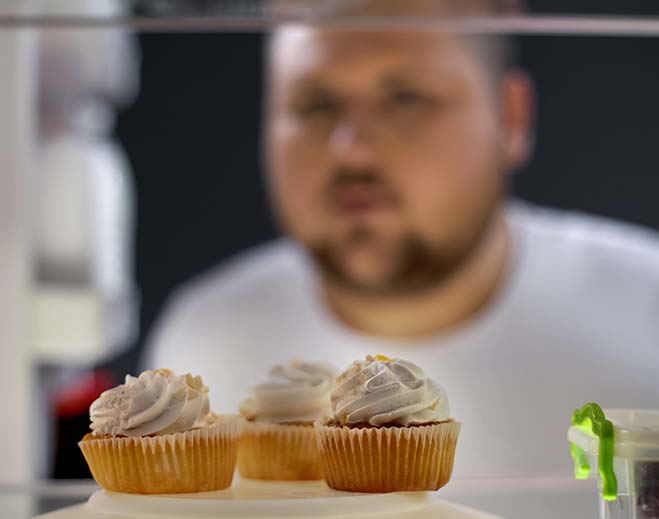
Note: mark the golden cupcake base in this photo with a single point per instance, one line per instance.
(194, 461)
(285, 452)
(388, 459)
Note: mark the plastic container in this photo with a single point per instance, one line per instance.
(624, 446)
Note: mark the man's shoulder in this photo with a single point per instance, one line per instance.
(584, 254)
(617, 240)
(268, 270)
(232, 309)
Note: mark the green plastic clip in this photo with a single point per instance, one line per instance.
(591, 419)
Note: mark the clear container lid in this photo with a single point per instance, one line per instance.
(635, 434)
(598, 436)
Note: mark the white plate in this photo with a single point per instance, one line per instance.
(250, 499)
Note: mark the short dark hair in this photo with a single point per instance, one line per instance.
(496, 51)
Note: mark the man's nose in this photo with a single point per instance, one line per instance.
(353, 140)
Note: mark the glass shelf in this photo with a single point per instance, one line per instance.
(512, 498)
(542, 17)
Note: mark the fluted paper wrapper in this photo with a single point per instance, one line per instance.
(198, 460)
(279, 452)
(388, 459)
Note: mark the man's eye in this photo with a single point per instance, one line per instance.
(317, 107)
(407, 97)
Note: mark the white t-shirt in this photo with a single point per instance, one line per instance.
(576, 320)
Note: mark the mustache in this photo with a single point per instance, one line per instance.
(351, 176)
(343, 178)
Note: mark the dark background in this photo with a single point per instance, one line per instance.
(192, 138)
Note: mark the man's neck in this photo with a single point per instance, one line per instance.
(434, 310)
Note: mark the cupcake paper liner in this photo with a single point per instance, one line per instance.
(198, 460)
(279, 452)
(388, 459)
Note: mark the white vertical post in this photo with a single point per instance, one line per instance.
(17, 106)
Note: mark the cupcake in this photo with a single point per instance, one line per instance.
(278, 441)
(390, 429)
(155, 434)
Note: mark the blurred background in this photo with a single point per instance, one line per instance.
(148, 173)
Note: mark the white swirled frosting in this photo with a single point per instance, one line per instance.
(382, 391)
(156, 402)
(297, 392)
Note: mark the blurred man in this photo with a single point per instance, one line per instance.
(389, 155)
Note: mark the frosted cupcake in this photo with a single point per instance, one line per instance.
(155, 434)
(390, 430)
(278, 441)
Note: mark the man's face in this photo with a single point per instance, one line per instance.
(385, 153)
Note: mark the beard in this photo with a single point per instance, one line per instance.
(411, 262)
(416, 264)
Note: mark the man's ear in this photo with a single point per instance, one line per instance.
(517, 102)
